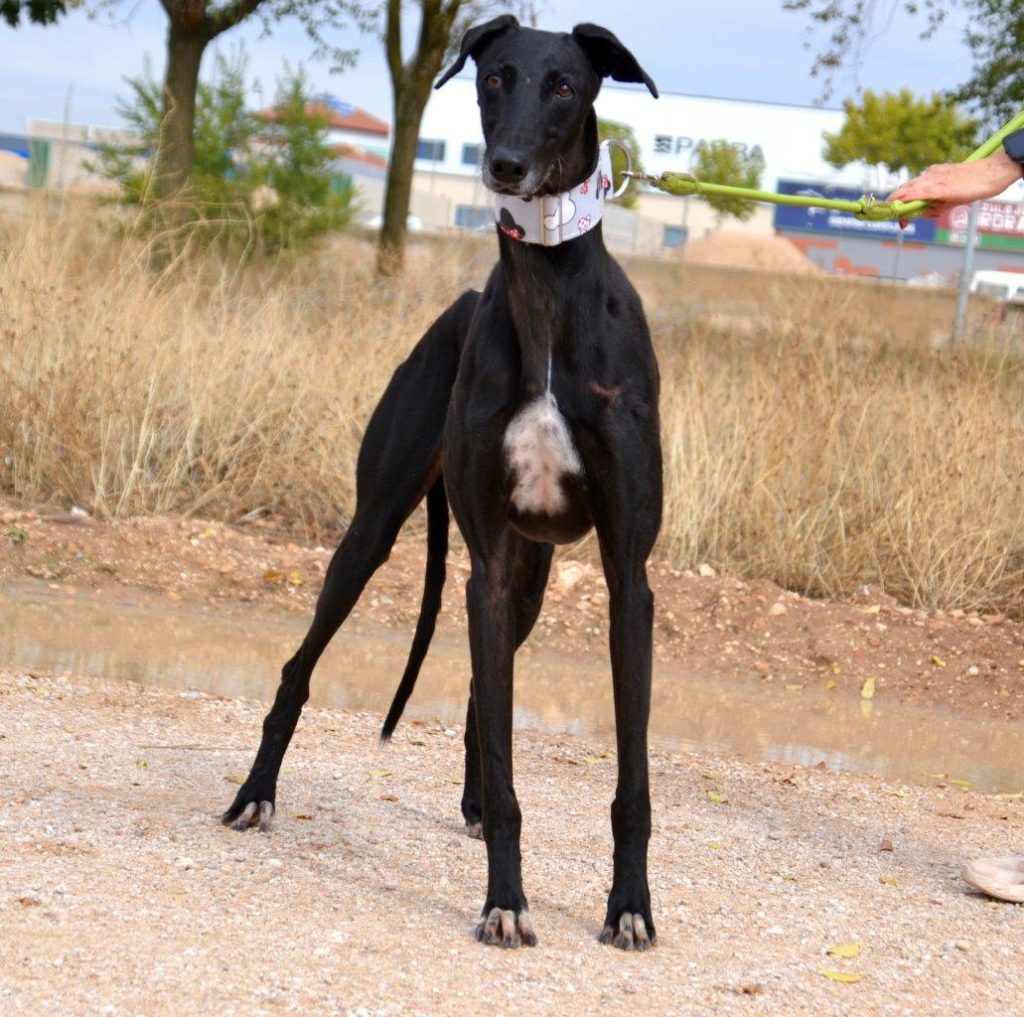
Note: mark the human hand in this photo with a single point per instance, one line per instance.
(947, 185)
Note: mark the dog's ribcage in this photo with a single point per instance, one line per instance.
(540, 452)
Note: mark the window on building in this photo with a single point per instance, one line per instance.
(430, 150)
(674, 236)
(474, 217)
(472, 155)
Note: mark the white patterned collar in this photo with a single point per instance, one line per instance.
(555, 218)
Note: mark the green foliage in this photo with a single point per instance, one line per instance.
(722, 162)
(901, 132)
(265, 177)
(623, 133)
(36, 12)
(994, 34)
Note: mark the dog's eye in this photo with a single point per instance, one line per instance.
(493, 81)
(565, 91)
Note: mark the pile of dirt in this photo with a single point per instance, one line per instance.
(13, 170)
(746, 250)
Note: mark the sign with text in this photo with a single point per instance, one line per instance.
(824, 220)
(1000, 225)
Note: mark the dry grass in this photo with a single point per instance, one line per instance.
(813, 433)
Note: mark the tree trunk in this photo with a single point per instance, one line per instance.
(175, 154)
(410, 87)
(408, 114)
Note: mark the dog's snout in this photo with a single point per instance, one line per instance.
(507, 167)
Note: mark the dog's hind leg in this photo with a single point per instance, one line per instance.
(529, 580)
(399, 461)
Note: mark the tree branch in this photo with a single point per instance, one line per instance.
(393, 43)
(220, 19)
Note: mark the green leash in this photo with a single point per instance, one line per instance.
(867, 207)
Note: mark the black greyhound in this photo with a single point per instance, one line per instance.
(537, 402)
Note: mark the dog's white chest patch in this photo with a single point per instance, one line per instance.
(540, 452)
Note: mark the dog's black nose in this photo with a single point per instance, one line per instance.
(507, 167)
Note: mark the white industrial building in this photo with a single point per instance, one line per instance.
(448, 191)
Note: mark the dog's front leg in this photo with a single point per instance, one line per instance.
(489, 599)
(628, 922)
(627, 514)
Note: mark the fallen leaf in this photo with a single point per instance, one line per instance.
(717, 798)
(750, 989)
(794, 688)
(235, 778)
(868, 689)
(844, 950)
(964, 785)
(380, 773)
(597, 760)
(716, 846)
(888, 881)
(846, 977)
(902, 793)
(1007, 797)
(273, 577)
(389, 798)
(834, 669)
(938, 661)
(295, 579)
(831, 684)
(712, 775)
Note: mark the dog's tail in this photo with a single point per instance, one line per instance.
(433, 583)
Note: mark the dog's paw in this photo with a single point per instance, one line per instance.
(631, 932)
(475, 829)
(243, 815)
(508, 929)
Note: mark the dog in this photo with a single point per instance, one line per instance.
(531, 408)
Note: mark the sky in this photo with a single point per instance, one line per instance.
(738, 49)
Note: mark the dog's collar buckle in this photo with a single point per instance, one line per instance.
(553, 219)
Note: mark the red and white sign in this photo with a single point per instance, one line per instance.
(1001, 218)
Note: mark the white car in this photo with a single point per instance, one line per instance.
(1006, 287)
(413, 223)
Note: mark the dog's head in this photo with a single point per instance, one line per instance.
(536, 93)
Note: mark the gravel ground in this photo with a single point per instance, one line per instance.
(120, 893)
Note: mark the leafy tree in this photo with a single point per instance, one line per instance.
(38, 12)
(269, 175)
(623, 133)
(994, 35)
(900, 132)
(192, 26)
(722, 162)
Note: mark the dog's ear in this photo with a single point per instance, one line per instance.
(474, 41)
(609, 57)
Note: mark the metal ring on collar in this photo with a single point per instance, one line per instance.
(629, 165)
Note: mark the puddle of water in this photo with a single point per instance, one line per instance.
(219, 652)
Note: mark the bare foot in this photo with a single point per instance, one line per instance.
(1002, 878)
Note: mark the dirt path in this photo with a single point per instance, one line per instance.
(121, 894)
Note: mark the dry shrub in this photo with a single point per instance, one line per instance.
(813, 433)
